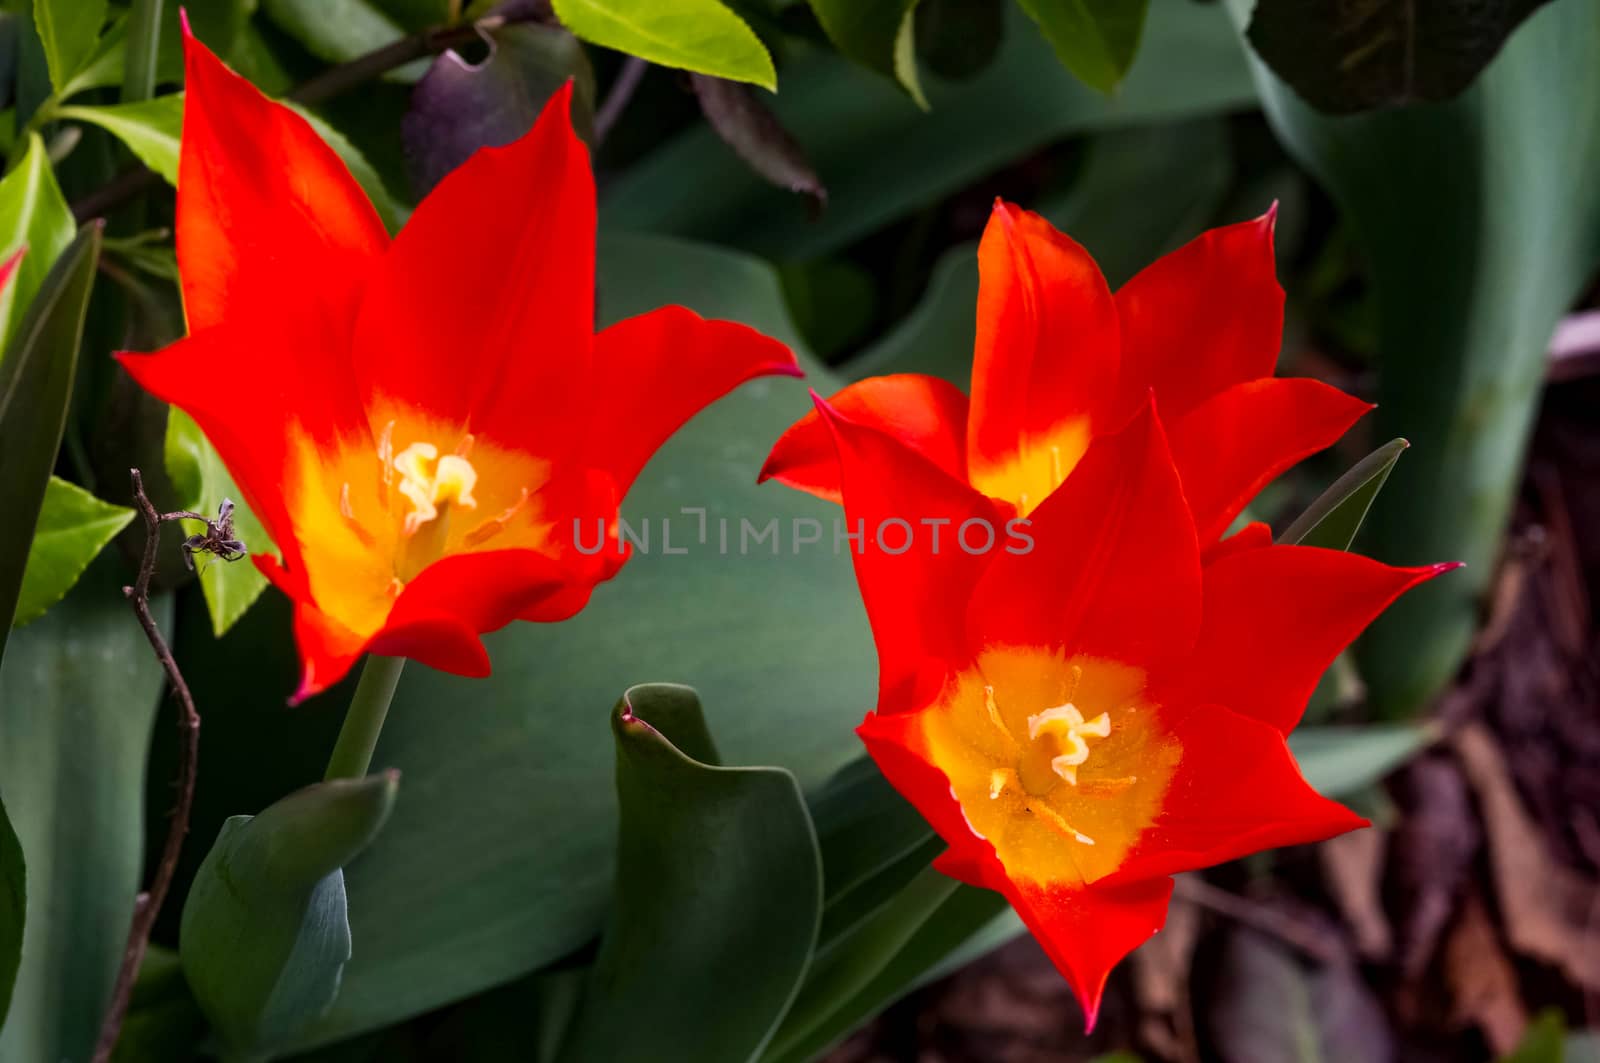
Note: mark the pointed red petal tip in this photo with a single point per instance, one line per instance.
(183, 21)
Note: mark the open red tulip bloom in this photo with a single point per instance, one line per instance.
(1060, 361)
(1082, 720)
(418, 423)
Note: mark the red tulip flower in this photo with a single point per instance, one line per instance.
(418, 422)
(1080, 720)
(1061, 361)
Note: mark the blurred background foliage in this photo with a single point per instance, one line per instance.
(524, 889)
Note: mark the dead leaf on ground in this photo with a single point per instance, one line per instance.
(1353, 864)
(1161, 983)
(1434, 846)
(1545, 906)
(1483, 984)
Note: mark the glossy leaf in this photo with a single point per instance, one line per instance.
(710, 861)
(33, 214)
(1095, 39)
(265, 932)
(13, 907)
(336, 31)
(35, 389)
(73, 527)
(1334, 518)
(1345, 58)
(1342, 760)
(421, 14)
(69, 30)
(528, 829)
(880, 36)
(203, 482)
(1474, 257)
(1189, 65)
(702, 36)
(459, 107)
(150, 129)
(72, 769)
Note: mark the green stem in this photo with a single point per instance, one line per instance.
(363, 721)
(144, 42)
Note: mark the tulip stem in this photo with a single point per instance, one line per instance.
(363, 721)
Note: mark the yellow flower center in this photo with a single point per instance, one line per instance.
(1038, 466)
(1060, 763)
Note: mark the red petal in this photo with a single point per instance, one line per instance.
(1236, 791)
(8, 268)
(1203, 318)
(1236, 442)
(1275, 619)
(1047, 350)
(269, 219)
(894, 743)
(1087, 930)
(1252, 536)
(482, 313)
(910, 596)
(655, 371)
(1115, 568)
(924, 413)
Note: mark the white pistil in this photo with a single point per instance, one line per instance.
(1070, 728)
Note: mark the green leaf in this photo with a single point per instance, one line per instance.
(1341, 760)
(1095, 39)
(1472, 262)
(265, 932)
(525, 815)
(13, 908)
(1334, 518)
(929, 923)
(703, 36)
(1543, 1042)
(73, 527)
(69, 30)
(844, 116)
(203, 482)
(1344, 58)
(710, 861)
(150, 128)
(163, 1021)
(880, 36)
(35, 215)
(337, 31)
(421, 14)
(78, 696)
(35, 389)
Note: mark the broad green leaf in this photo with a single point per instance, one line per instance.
(958, 38)
(1095, 39)
(203, 482)
(1473, 258)
(1334, 518)
(528, 828)
(1543, 1042)
(163, 1020)
(73, 527)
(1142, 193)
(78, 696)
(336, 31)
(421, 14)
(881, 962)
(1341, 760)
(69, 31)
(35, 215)
(880, 36)
(265, 932)
(35, 389)
(1342, 58)
(150, 128)
(13, 907)
(711, 860)
(703, 36)
(843, 116)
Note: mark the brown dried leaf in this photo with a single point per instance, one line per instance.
(1353, 865)
(1161, 983)
(1545, 906)
(1434, 846)
(1482, 980)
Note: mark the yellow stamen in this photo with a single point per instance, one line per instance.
(495, 525)
(999, 779)
(1052, 817)
(386, 454)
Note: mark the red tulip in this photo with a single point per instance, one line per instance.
(1061, 361)
(1080, 720)
(417, 422)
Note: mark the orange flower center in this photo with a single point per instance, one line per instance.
(1061, 764)
(377, 510)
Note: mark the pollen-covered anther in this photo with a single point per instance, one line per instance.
(429, 481)
(495, 525)
(1069, 727)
